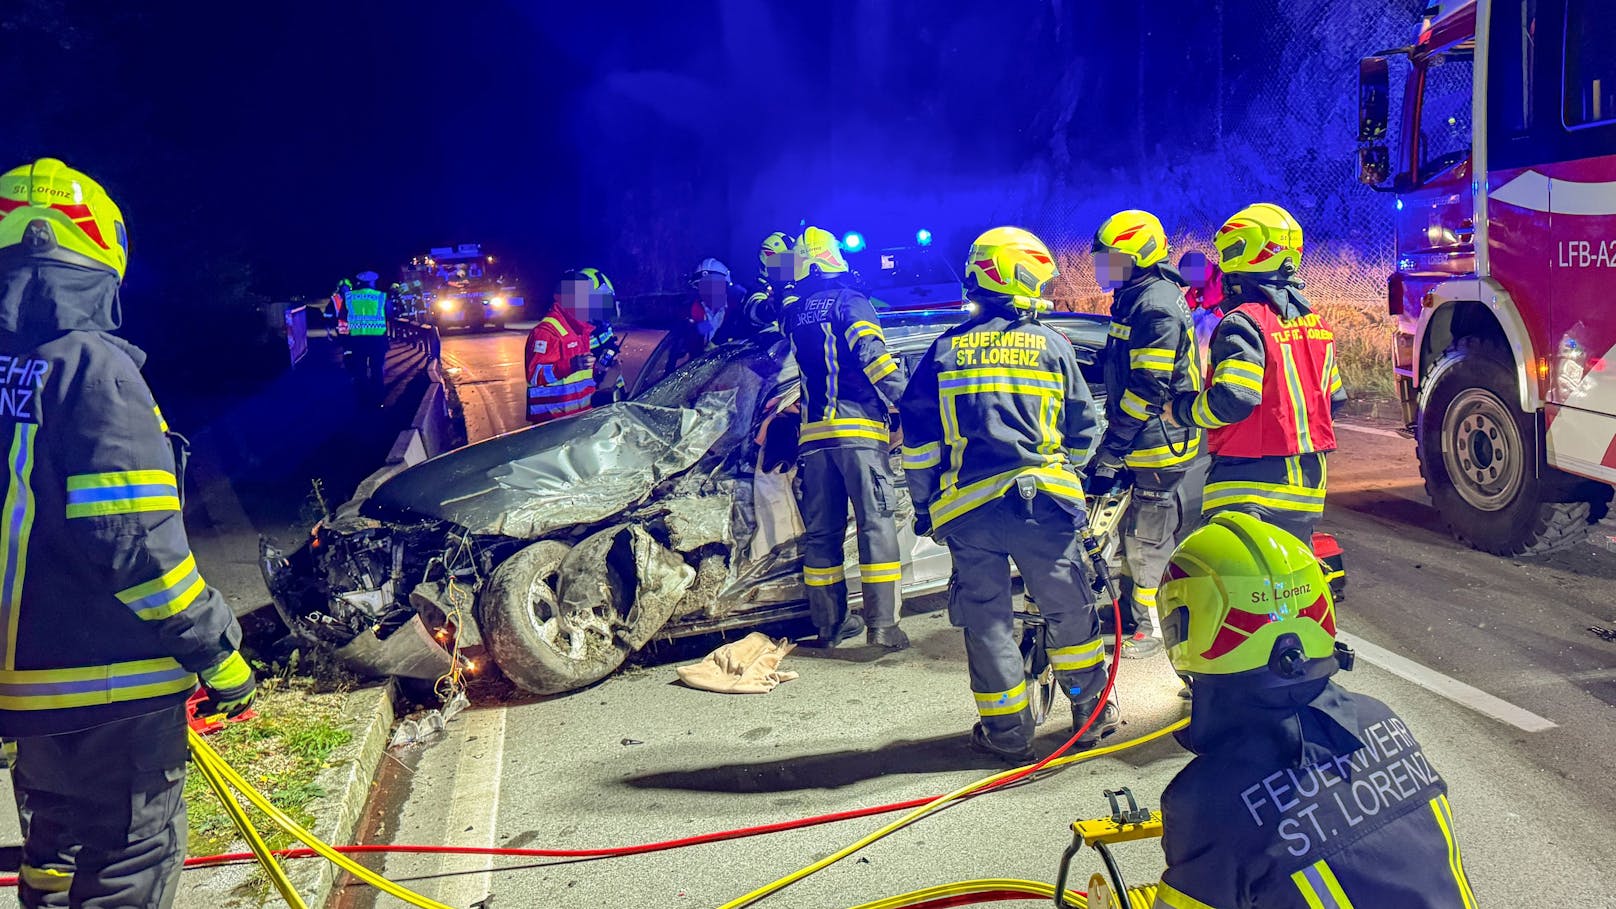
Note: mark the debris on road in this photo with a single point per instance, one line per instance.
(748, 666)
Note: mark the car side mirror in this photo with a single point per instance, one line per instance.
(1374, 166)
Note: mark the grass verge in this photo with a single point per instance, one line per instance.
(281, 753)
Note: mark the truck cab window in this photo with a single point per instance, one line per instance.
(1445, 114)
(1590, 64)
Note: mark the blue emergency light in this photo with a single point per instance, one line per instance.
(923, 237)
(853, 241)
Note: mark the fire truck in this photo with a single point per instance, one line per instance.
(462, 287)
(1503, 167)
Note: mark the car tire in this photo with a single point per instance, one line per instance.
(519, 618)
(1480, 456)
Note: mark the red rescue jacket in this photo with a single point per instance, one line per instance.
(1294, 417)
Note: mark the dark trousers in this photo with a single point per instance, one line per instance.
(831, 479)
(103, 813)
(1164, 508)
(1042, 537)
(371, 353)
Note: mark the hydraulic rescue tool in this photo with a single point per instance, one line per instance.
(1126, 823)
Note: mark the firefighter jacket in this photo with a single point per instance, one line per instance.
(105, 614)
(762, 306)
(1306, 797)
(848, 377)
(366, 312)
(1149, 358)
(559, 379)
(1273, 382)
(995, 398)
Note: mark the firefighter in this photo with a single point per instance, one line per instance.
(849, 383)
(1275, 810)
(775, 273)
(563, 349)
(1149, 357)
(365, 312)
(1273, 383)
(718, 315)
(997, 422)
(109, 622)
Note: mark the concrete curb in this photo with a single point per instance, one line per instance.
(1375, 407)
(366, 713)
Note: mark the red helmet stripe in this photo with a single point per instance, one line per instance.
(7, 206)
(1128, 234)
(990, 269)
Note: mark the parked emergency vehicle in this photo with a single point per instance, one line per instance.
(464, 287)
(1504, 171)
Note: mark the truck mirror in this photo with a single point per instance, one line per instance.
(1373, 92)
(1374, 165)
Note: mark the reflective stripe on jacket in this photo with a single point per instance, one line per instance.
(848, 377)
(367, 312)
(559, 384)
(994, 399)
(1354, 815)
(1296, 378)
(1149, 358)
(103, 612)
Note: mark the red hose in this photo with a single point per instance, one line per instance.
(203, 861)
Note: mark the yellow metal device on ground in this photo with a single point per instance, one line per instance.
(1128, 822)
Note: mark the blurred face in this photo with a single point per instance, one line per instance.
(574, 297)
(1112, 269)
(781, 269)
(713, 291)
(1195, 269)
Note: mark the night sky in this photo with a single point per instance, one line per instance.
(307, 141)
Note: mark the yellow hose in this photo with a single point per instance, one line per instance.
(209, 759)
(255, 840)
(1033, 889)
(931, 807)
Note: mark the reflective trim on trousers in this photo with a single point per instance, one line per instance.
(1081, 656)
(822, 577)
(46, 880)
(881, 572)
(1001, 703)
(844, 428)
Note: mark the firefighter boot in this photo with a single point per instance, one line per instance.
(981, 745)
(889, 638)
(849, 629)
(1109, 721)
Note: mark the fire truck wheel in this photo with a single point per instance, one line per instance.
(1480, 457)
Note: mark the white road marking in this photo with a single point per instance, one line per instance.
(1448, 687)
(473, 816)
(1369, 430)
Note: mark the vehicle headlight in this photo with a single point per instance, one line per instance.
(445, 305)
(497, 302)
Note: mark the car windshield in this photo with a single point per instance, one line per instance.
(909, 267)
(755, 361)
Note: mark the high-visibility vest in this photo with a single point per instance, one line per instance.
(1294, 416)
(557, 389)
(367, 312)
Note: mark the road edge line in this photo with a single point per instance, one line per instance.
(474, 804)
(1369, 430)
(1448, 687)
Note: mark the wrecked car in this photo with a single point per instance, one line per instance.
(560, 549)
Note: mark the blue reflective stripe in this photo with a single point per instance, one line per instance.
(117, 493)
(39, 689)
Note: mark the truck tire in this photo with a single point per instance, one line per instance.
(529, 641)
(1480, 457)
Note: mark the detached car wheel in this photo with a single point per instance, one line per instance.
(1479, 454)
(533, 642)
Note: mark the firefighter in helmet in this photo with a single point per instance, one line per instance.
(998, 420)
(110, 624)
(1273, 383)
(1256, 818)
(775, 274)
(563, 350)
(365, 309)
(1149, 356)
(849, 382)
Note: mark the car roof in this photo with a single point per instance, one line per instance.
(914, 330)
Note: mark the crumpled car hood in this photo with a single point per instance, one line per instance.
(583, 469)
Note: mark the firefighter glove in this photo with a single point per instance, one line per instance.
(922, 522)
(230, 686)
(1105, 475)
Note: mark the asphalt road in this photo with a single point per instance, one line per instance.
(1489, 660)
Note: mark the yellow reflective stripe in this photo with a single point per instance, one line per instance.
(1320, 888)
(1332, 377)
(121, 492)
(554, 323)
(1166, 455)
(927, 455)
(1293, 381)
(1144, 596)
(822, 577)
(1171, 898)
(1004, 379)
(1240, 373)
(1444, 820)
(1201, 412)
(1135, 406)
(1082, 656)
(1120, 331)
(162, 424)
(46, 880)
(862, 330)
(954, 502)
(119, 478)
(844, 428)
(1161, 359)
(1281, 496)
(833, 370)
(1000, 703)
(1049, 446)
(84, 686)
(1249, 370)
(880, 368)
(168, 595)
(15, 531)
(880, 572)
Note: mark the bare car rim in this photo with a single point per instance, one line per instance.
(1482, 450)
(575, 637)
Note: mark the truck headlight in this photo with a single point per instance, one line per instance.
(497, 302)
